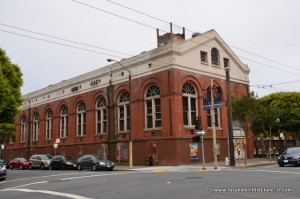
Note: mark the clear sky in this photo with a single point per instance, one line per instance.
(268, 29)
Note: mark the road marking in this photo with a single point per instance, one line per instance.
(68, 195)
(158, 171)
(90, 176)
(25, 185)
(7, 181)
(202, 170)
(275, 171)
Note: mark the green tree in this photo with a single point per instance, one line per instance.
(244, 110)
(288, 105)
(10, 96)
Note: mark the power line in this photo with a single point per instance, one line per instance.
(164, 21)
(140, 23)
(44, 40)
(55, 37)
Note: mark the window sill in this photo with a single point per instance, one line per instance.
(63, 138)
(217, 128)
(100, 134)
(204, 63)
(189, 127)
(123, 132)
(153, 129)
(216, 66)
(80, 136)
(48, 139)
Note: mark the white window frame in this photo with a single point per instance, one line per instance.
(23, 129)
(217, 57)
(49, 125)
(64, 122)
(81, 119)
(35, 132)
(217, 118)
(152, 94)
(101, 111)
(124, 104)
(189, 92)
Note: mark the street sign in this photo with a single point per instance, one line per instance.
(281, 135)
(55, 145)
(202, 132)
(57, 141)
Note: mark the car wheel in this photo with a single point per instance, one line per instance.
(30, 167)
(11, 167)
(94, 168)
(110, 169)
(281, 165)
(79, 168)
(20, 167)
(42, 167)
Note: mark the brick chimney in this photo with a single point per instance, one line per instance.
(170, 37)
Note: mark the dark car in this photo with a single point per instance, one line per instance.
(62, 162)
(94, 162)
(20, 163)
(289, 156)
(3, 172)
(4, 163)
(40, 161)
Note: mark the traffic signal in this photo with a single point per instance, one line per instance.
(196, 139)
(198, 123)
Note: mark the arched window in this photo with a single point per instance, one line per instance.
(124, 117)
(215, 56)
(49, 125)
(81, 119)
(23, 129)
(152, 106)
(64, 122)
(101, 122)
(36, 121)
(189, 104)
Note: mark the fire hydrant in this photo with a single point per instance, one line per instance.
(226, 161)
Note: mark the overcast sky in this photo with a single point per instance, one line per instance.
(267, 28)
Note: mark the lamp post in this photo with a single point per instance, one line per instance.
(280, 137)
(130, 96)
(230, 129)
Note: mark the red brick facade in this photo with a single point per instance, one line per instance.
(168, 145)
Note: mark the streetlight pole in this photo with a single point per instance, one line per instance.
(130, 115)
(230, 129)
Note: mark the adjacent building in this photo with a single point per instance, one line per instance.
(90, 114)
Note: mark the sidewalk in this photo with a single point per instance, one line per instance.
(209, 166)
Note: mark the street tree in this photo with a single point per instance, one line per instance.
(288, 105)
(244, 110)
(10, 96)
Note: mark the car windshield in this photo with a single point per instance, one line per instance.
(294, 150)
(69, 158)
(22, 159)
(2, 161)
(46, 157)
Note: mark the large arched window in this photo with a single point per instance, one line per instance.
(215, 56)
(189, 104)
(23, 129)
(152, 106)
(101, 122)
(124, 117)
(36, 122)
(64, 122)
(49, 124)
(81, 119)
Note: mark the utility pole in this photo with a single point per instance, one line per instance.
(230, 129)
(213, 124)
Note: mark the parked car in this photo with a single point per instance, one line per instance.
(289, 156)
(62, 162)
(3, 172)
(39, 161)
(20, 163)
(94, 162)
(3, 162)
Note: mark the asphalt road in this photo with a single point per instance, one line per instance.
(161, 183)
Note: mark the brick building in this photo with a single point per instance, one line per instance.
(90, 113)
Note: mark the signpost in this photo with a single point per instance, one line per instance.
(201, 133)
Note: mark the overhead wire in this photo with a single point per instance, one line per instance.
(161, 20)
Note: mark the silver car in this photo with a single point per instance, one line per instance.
(40, 161)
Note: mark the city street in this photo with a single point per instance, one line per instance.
(154, 182)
